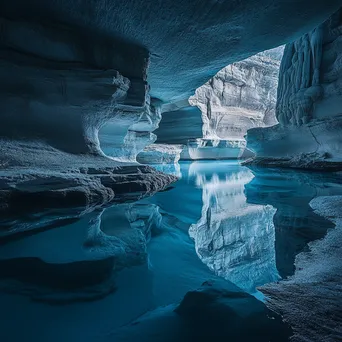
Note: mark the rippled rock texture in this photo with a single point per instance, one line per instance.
(308, 104)
(61, 182)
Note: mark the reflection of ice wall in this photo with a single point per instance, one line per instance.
(235, 239)
(240, 96)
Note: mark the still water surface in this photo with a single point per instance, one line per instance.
(220, 221)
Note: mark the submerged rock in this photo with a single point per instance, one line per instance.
(217, 310)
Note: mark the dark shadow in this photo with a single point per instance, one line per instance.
(296, 224)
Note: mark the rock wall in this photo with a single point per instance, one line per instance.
(310, 300)
(125, 136)
(160, 154)
(180, 125)
(309, 101)
(310, 83)
(189, 42)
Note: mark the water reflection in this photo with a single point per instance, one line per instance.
(233, 238)
(255, 221)
(296, 224)
(109, 266)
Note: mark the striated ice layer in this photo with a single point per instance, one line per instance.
(240, 96)
(126, 135)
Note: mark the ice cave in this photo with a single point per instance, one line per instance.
(170, 170)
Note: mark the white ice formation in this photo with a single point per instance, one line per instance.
(308, 105)
(233, 238)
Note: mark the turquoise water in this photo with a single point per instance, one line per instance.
(220, 222)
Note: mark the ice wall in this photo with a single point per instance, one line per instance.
(124, 137)
(58, 87)
(240, 96)
(308, 104)
(59, 91)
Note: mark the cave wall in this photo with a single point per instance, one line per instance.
(309, 134)
(178, 126)
(310, 83)
(240, 96)
(189, 42)
(68, 67)
(60, 86)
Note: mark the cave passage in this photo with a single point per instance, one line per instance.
(170, 171)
